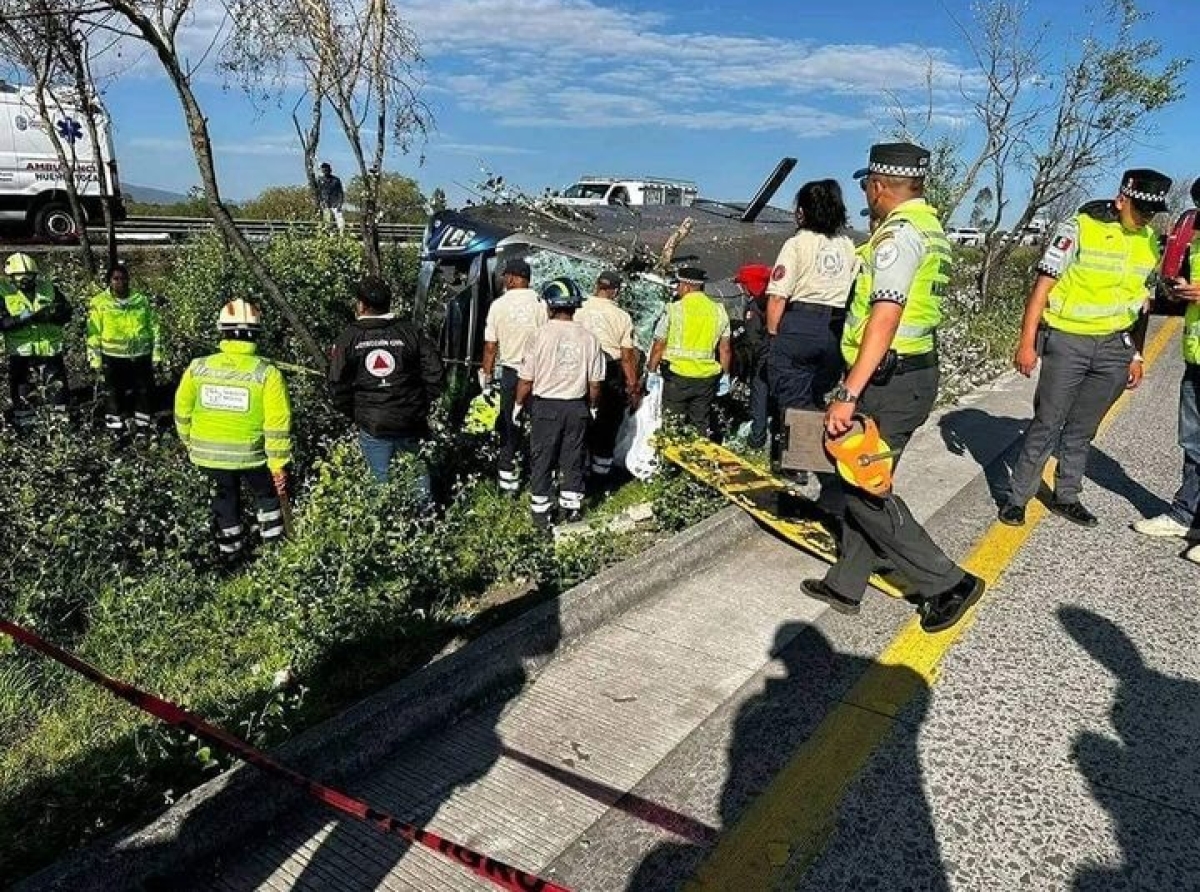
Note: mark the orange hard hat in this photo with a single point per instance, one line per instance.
(863, 458)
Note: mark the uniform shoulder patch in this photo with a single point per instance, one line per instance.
(1064, 242)
(886, 253)
(778, 272)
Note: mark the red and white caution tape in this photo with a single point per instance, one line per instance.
(503, 875)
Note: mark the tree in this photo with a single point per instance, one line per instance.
(981, 210)
(281, 203)
(400, 199)
(362, 58)
(437, 201)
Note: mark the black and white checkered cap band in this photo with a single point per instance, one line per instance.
(896, 170)
(1143, 196)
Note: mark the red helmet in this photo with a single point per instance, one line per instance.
(754, 277)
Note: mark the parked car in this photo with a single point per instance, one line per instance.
(965, 235)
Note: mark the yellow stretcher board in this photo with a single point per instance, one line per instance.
(757, 493)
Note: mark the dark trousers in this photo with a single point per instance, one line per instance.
(510, 433)
(1185, 507)
(760, 404)
(128, 391)
(602, 434)
(805, 357)
(557, 442)
(1081, 378)
(36, 380)
(227, 507)
(690, 400)
(875, 528)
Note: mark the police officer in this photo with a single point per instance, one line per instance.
(563, 371)
(385, 375)
(233, 414)
(123, 342)
(512, 321)
(890, 348)
(1183, 518)
(692, 338)
(1085, 317)
(613, 327)
(32, 315)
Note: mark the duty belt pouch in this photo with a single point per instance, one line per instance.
(886, 368)
(1039, 340)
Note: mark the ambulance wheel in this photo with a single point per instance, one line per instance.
(54, 222)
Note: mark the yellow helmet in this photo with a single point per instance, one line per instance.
(239, 314)
(20, 265)
(482, 414)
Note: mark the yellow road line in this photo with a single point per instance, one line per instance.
(786, 827)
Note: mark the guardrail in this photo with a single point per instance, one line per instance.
(166, 230)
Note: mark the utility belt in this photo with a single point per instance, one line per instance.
(1044, 331)
(894, 364)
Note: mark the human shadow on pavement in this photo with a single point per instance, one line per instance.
(1147, 776)
(880, 829)
(315, 850)
(1107, 472)
(988, 439)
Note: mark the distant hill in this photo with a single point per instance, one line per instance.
(150, 195)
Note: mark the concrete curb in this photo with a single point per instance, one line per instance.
(217, 815)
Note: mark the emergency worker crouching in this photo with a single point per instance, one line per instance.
(1085, 318)
(124, 344)
(33, 312)
(234, 416)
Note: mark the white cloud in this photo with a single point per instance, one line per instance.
(575, 63)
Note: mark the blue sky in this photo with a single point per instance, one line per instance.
(544, 90)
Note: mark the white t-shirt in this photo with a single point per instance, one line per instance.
(563, 358)
(512, 320)
(815, 269)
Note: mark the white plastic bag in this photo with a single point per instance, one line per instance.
(634, 448)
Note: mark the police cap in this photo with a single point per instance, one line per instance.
(896, 159)
(691, 274)
(1148, 189)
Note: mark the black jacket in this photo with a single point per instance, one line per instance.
(385, 376)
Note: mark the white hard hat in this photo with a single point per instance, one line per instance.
(239, 313)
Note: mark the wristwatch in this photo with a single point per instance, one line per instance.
(843, 394)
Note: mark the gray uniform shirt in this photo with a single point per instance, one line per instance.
(899, 250)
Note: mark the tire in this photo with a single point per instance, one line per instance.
(54, 222)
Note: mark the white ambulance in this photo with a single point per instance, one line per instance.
(33, 196)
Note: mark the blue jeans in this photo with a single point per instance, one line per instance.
(379, 451)
(1185, 508)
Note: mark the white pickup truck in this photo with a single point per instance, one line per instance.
(33, 196)
(631, 191)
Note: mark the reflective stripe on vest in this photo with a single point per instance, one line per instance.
(123, 329)
(1191, 334)
(226, 426)
(922, 312)
(693, 331)
(38, 338)
(1105, 287)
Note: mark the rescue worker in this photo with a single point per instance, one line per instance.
(124, 344)
(613, 327)
(1183, 518)
(806, 299)
(234, 416)
(512, 321)
(1084, 318)
(692, 338)
(385, 375)
(890, 348)
(750, 348)
(563, 371)
(33, 312)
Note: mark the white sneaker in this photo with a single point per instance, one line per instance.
(1164, 525)
(1193, 554)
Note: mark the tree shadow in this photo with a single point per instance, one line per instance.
(772, 730)
(988, 439)
(309, 847)
(1147, 776)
